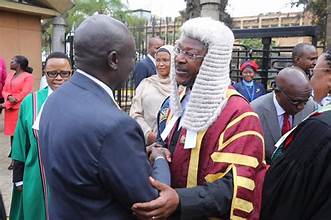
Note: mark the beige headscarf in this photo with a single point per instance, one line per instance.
(163, 85)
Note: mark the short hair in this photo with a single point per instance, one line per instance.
(24, 63)
(58, 55)
(152, 39)
(299, 48)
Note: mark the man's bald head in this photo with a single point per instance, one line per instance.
(291, 77)
(293, 89)
(95, 40)
(154, 43)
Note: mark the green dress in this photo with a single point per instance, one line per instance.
(28, 204)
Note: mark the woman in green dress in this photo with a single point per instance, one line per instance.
(28, 201)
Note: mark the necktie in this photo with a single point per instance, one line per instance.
(286, 124)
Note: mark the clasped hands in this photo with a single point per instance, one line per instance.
(12, 99)
(168, 200)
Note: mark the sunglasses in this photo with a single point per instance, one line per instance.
(54, 74)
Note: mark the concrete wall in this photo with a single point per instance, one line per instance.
(21, 35)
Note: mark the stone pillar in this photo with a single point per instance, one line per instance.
(59, 29)
(280, 21)
(328, 25)
(210, 8)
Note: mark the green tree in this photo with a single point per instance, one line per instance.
(85, 8)
(318, 9)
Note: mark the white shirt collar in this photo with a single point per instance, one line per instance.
(152, 58)
(280, 111)
(50, 91)
(100, 83)
(37, 121)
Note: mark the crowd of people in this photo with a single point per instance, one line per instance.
(193, 146)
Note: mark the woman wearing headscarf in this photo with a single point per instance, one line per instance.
(18, 84)
(248, 87)
(151, 92)
(28, 196)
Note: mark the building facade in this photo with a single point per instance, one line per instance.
(20, 29)
(276, 19)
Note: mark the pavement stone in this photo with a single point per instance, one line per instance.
(5, 174)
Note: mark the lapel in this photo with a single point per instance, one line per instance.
(271, 118)
(87, 84)
(42, 96)
(300, 116)
(244, 92)
(151, 64)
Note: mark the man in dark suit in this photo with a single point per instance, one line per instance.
(290, 102)
(146, 67)
(93, 153)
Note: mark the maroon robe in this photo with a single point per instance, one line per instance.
(234, 142)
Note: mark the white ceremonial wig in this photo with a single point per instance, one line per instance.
(208, 96)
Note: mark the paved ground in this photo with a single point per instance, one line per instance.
(5, 174)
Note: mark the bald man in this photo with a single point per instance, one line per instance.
(146, 67)
(297, 184)
(94, 154)
(304, 56)
(285, 107)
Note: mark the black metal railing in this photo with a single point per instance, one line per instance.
(270, 59)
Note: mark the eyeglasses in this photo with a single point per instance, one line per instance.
(187, 54)
(54, 74)
(293, 102)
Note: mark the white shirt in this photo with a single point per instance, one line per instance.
(43, 82)
(35, 125)
(184, 103)
(152, 58)
(280, 113)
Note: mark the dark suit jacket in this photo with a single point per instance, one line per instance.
(265, 108)
(258, 87)
(93, 153)
(145, 68)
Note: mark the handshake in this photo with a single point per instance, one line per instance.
(156, 151)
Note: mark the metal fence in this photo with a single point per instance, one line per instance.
(271, 59)
(167, 29)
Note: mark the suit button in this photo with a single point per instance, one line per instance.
(202, 194)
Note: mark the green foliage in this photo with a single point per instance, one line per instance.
(85, 8)
(318, 9)
(252, 43)
(46, 35)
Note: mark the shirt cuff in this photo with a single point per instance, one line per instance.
(20, 183)
(159, 157)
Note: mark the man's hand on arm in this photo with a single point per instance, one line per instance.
(160, 208)
(155, 151)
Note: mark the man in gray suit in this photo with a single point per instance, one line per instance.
(284, 108)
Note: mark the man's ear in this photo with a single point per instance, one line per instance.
(112, 60)
(297, 59)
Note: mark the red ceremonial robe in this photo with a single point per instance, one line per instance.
(234, 142)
